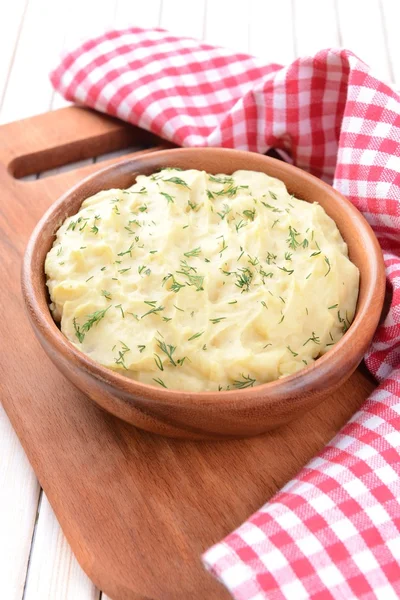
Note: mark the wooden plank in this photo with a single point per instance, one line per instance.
(315, 26)
(361, 30)
(54, 572)
(184, 18)
(391, 19)
(53, 569)
(83, 20)
(137, 12)
(271, 30)
(227, 24)
(19, 493)
(29, 89)
(10, 27)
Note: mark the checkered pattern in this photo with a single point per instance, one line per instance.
(333, 531)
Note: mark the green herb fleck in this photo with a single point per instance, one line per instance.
(196, 335)
(92, 319)
(154, 309)
(316, 253)
(250, 214)
(194, 252)
(177, 181)
(291, 351)
(244, 278)
(288, 271)
(245, 382)
(326, 259)
(240, 225)
(121, 355)
(129, 251)
(275, 210)
(170, 199)
(291, 240)
(168, 350)
(313, 338)
(158, 362)
(222, 180)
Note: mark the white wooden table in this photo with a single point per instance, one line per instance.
(36, 562)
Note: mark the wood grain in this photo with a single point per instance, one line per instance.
(137, 509)
(18, 485)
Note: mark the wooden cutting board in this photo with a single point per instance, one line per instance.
(137, 509)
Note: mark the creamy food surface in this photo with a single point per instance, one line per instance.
(199, 282)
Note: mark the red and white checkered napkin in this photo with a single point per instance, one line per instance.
(333, 531)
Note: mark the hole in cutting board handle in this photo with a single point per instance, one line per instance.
(72, 153)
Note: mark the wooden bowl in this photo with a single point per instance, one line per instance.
(209, 414)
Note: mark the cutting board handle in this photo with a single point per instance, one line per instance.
(64, 136)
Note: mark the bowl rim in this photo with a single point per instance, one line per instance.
(306, 380)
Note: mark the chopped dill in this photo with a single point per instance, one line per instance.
(326, 259)
(177, 181)
(92, 319)
(226, 209)
(245, 382)
(222, 180)
(244, 278)
(160, 382)
(239, 225)
(313, 338)
(316, 253)
(170, 199)
(291, 240)
(168, 350)
(121, 309)
(194, 252)
(291, 351)
(195, 336)
(288, 271)
(250, 214)
(121, 355)
(158, 362)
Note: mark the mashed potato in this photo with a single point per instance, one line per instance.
(199, 282)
